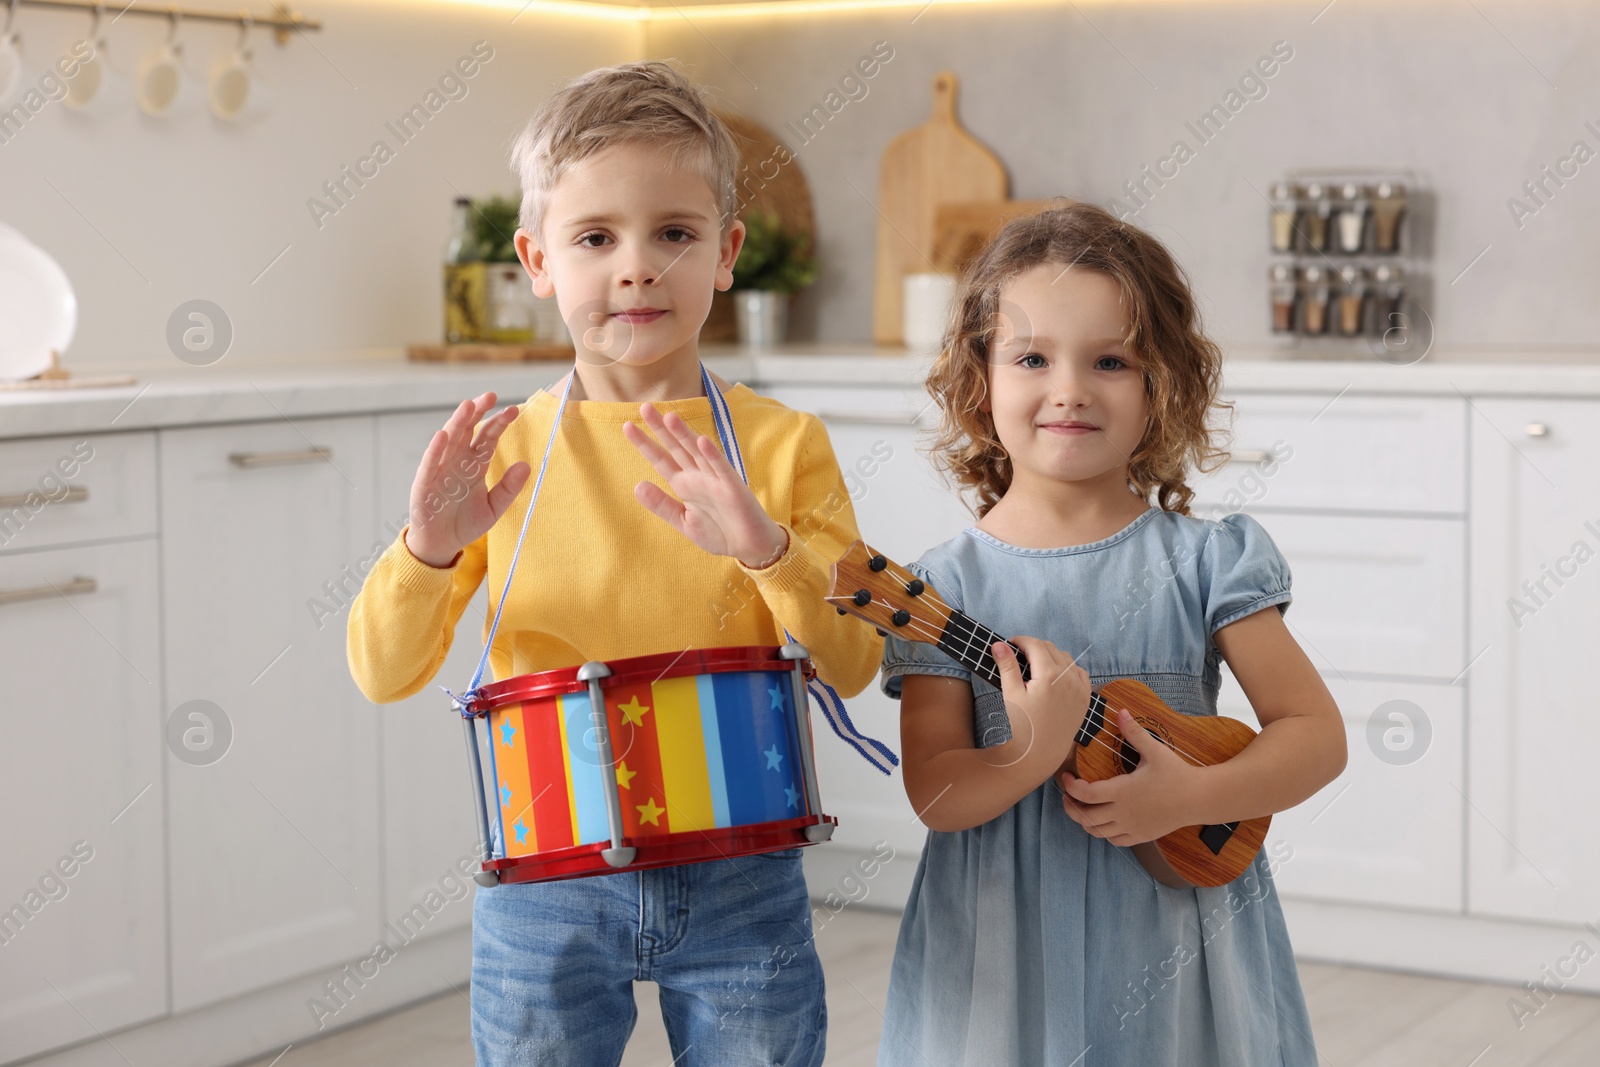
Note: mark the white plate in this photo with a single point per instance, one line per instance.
(38, 309)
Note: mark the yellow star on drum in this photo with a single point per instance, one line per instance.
(633, 711)
(648, 812)
(625, 776)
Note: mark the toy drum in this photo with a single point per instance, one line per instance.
(644, 762)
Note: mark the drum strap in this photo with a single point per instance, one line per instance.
(874, 752)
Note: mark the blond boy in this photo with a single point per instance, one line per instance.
(628, 219)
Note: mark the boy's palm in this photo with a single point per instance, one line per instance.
(451, 503)
(710, 504)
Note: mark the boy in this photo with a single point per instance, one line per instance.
(628, 218)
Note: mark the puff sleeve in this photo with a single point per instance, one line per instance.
(1241, 572)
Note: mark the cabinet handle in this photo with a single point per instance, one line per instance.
(43, 592)
(267, 459)
(76, 494)
(859, 418)
(1537, 429)
(1249, 455)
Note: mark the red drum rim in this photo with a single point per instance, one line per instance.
(667, 850)
(632, 671)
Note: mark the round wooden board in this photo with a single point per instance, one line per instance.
(787, 194)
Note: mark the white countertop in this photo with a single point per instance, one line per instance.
(240, 390)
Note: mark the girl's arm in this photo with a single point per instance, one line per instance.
(1301, 747)
(954, 785)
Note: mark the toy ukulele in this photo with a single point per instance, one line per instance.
(867, 585)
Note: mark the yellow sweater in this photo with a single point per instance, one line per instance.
(601, 578)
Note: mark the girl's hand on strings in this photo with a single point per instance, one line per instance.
(1154, 799)
(1047, 710)
(451, 505)
(709, 504)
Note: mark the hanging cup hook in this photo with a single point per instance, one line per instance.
(246, 21)
(11, 17)
(172, 31)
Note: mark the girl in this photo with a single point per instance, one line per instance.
(1074, 383)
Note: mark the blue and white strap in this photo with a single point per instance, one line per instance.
(483, 661)
(874, 752)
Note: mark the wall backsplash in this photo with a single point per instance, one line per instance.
(1489, 101)
(1085, 100)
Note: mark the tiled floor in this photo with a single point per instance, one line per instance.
(1361, 1018)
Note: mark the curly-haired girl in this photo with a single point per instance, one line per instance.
(1075, 384)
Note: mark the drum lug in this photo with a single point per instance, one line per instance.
(487, 879)
(618, 857)
(793, 650)
(821, 831)
(593, 671)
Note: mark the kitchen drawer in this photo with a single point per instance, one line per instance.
(1388, 830)
(1376, 595)
(1357, 453)
(86, 487)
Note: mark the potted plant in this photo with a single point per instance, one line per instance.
(773, 265)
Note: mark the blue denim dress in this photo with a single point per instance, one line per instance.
(1025, 939)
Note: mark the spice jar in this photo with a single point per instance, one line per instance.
(1285, 199)
(1284, 293)
(1388, 299)
(1351, 225)
(1316, 209)
(1352, 299)
(1388, 206)
(1315, 292)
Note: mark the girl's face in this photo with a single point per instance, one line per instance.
(1066, 391)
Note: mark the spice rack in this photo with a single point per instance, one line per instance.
(1351, 269)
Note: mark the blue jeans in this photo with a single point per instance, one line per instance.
(728, 941)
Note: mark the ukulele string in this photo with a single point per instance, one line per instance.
(969, 647)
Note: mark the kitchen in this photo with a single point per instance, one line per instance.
(1424, 474)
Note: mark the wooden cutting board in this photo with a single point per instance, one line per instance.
(924, 167)
(962, 228)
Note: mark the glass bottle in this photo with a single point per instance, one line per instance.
(1284, 198)
(466, 318)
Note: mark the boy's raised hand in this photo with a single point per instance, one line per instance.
(451, 506)
(712, 506)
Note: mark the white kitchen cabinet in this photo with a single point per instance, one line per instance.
(1387, 831)
(275, 847)
(1535, 628)
(428, 820)
(1343, 453)
(1375, 595)
(82, 916)
(902, 509)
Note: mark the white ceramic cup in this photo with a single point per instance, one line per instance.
(237, 94)
(163, 87)
(94, 88)
(924, 308)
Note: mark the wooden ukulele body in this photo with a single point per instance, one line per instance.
(1191, 855)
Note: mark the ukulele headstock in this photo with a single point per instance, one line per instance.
(872, 587)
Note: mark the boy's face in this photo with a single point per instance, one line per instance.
(1058, 358)
(631, 248)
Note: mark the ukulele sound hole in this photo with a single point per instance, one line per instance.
(1130, 755)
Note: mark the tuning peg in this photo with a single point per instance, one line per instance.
(862, 598)
(901, 617)
(881, 633)
(841, 611)
(877, 563)
(915, 587)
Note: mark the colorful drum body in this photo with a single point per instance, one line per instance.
(700, 755)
